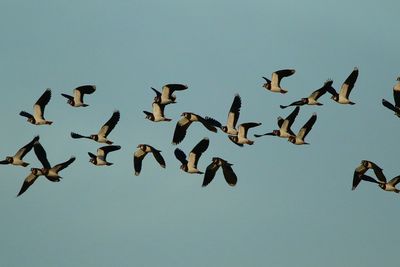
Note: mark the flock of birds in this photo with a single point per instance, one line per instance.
(238, 134)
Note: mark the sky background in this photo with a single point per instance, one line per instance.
(292, 205)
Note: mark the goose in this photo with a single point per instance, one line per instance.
(141, 152)
(273, 85)
(396, 96)
(299, 138)
(101, 136)
(17, 159)
(186, 120)
(158, 113)
(313, 98)
(233, 116)
(345, 90)
(100, 158)
(166, 96)
(284, 130)
(229, 174)
(77, 99)
(190, 165)
(38, 110)
(362, 168)
(241, 138)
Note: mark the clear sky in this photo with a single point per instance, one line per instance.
(292, 206)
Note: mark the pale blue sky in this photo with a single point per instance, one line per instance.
(292, 205)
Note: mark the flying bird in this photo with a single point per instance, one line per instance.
(241, 138)
(361, 169)
(38, 110)
(233, 116)
(190, 165)
(274, 85)
(141, 152)
(396, 96)
(284, 130)
(77, 99)
(17, 159)
(100, 158)
(101, 136)
(345, 90)
(186, 120)
(229, 174)
(313, 98)
(299, 138)
(158, 113)
(166, 96)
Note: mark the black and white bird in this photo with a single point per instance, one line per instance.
(38, 110)
(313, 98)
(157, 114)
(229, 174)
(396, 97)
(141, 152)
(284, 130)
(299, 138)
(345, 90)
(190, 165)
(166, 96)
(361, 169)
(233, 116)
(77, 99)
(274, 85)
(100, 158)
(241, 138)
(186, 120)
(101, 136)
(17, 159)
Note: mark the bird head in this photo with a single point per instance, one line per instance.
(94, 137)
(9, 159)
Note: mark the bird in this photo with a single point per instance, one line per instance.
(229, 174)
(101, 136)
(362, 168)
(166, 96)
(38, 110)
(233, 116)
(345, 90)
(186, 120)
(284, 130)
(396, 96)
(190, 165)
(77, 99)
(157, 114)
(29, 180)
(100, 158)
(313, 98)
(141, 152)
(299, 138)
(273, 85)
(241, 138)
(17, 159)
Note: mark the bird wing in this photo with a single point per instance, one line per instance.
(318, 93)
(76, 136)
(244, 128)
(378, 172)
(62, 166)
(157, 155)
(41, 154)
(138, 157)
(68, 96)
(110, 124)
(229, 174)
(29, 180)
(158, 93)
(210, 173)
(389, 105)
(234, 112)
(104, 150)
(26, 114)
(307, 127)
(287, 123)
(348, 84)
(181, 156)
(180, 130)
(25, 149)
(158, 109)
(209, 123)
(278, 75)
(395, 180)
(41, 103)
(170, 88)
(197, 151)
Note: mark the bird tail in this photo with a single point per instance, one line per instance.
(49, 122)
(24, 164)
